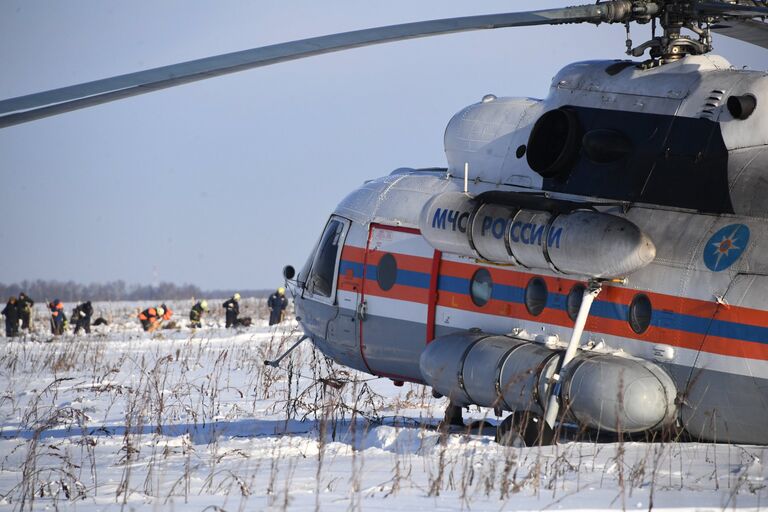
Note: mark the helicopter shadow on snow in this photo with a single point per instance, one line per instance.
(200, 433)
(399, 432)
(360, 433)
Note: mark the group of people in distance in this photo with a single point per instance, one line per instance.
(81, 317)
(15, 311)
(277, 303)
(153, 317)
(18, 313)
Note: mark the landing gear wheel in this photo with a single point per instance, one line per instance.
(524, 429)
(507, 435)
(453, 419)
(480, 428)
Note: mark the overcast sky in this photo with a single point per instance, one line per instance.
(221, 183)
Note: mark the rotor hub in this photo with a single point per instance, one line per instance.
(675, 49)
(673, 16)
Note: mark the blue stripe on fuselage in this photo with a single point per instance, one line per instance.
(356, 268)
(600, 309)
(404, 277)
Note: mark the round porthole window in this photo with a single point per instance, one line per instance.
(481, 287)
(573, 302)
(386, 272)
(640, 311)
(536, 296)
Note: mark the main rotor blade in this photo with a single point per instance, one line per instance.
(749, 31)
(43, 104)
(726, 9)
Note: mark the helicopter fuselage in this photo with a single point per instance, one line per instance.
(666, 150)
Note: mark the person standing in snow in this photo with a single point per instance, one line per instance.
(232, 310)
(277, 304)
(24, 303)
(58, 317)
(196, 314)
(11, 313)
(81, 316)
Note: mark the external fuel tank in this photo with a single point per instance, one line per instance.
(581, 242)
(603, 391)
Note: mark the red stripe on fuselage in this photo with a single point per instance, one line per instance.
(621, 296)
(404, 261)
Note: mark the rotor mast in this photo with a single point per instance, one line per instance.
(675, 15)
(671, 45)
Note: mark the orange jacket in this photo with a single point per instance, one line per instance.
(56, 308)
(148, 314)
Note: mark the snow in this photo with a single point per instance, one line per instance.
(194, 420)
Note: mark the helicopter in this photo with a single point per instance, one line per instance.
(595, 257)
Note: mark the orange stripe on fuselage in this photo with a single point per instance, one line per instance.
(398, 292)
(404, 261)
(610, 294)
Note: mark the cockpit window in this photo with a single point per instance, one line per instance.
(324, 265)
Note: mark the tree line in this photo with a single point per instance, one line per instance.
(70, 291)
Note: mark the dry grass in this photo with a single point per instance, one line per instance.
(172, 419)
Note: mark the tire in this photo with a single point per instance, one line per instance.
(524, 428)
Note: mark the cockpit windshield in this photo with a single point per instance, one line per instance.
(320, 280)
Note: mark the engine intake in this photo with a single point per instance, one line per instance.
(554, 143)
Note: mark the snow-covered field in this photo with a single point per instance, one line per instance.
(194, 420)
